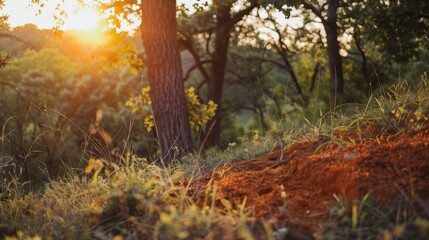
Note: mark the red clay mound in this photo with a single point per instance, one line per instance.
(312, 172)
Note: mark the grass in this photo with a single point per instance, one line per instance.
(145, 201)
(402, 109)
(140, 202)
(367, 219)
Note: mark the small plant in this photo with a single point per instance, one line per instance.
(96, 166)
(141, 201)
(199, 113)
(366, 219)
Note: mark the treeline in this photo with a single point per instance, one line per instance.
(51, 89)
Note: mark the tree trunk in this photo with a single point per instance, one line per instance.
(335, 66)
(217, 75)
(164, 71)
(369, 80)
(288, 67)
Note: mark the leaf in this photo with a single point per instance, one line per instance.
(91, 165)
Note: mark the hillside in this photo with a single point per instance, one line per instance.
(312, 174)
(357, 176)
(305, 191)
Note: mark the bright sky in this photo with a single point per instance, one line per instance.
(21, 12)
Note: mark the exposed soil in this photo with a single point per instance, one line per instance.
(311, 172)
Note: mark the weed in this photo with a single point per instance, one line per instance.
(141, 201)
(367, 219)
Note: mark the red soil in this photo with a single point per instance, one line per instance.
(311, 172)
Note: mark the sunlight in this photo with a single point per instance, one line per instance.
(74, 16)
(84, 20)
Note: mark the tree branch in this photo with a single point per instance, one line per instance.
(316, 70)
(197, 65)
(363, 55)
(314, 10)
(188, 44)
(240, 15)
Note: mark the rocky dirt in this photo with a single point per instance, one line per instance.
(311, 172)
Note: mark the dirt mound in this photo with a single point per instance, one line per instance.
(311, 172)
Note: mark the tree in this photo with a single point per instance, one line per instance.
(223, 20)
(395, 30)
(398, 27)
(222, 30)
(327, 12)
(63, 77)
(164, 68)
(285, 46)
(3, 19)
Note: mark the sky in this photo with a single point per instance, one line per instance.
(21, 12)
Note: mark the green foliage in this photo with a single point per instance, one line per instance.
(402, 108)
(249, 145)
(199, 113)
(3, 18)
(4, 60)
(367, 219)
(51, 95)
(397, 28)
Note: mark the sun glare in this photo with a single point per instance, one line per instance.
(75, 16)
(84, 20)
(20, 12)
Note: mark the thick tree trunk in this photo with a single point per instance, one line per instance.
(217, 75)
(164, 70)
(335, 65)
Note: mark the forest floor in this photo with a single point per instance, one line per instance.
(312, 173)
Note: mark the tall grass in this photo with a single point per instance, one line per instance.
(143, 201)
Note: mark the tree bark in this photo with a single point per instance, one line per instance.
(164, 71)
(217, 75)
(369, 80)
(335, 63)
(224, 23)
(334, 57)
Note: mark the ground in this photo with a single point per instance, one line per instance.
(311, 173)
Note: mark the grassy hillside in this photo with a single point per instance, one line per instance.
(343, 176)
